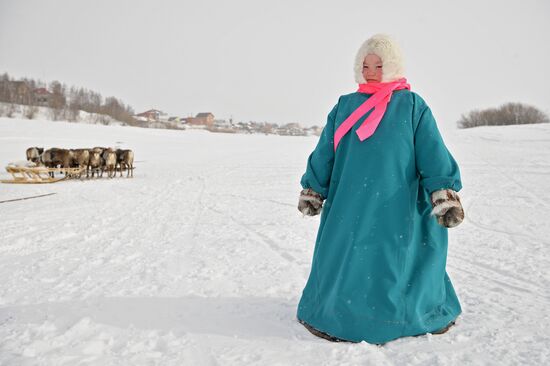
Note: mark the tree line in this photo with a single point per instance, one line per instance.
(64, 102)
(506, 114)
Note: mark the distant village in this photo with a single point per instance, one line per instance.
(31, 99)
(207, 121)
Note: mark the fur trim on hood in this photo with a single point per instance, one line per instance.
(388, 50)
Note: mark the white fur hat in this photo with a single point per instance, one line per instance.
(388, 50)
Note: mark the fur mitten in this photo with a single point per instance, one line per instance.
(447, 207)
(310, 202)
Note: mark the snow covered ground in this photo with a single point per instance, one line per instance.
(47, 114)
(201, 258)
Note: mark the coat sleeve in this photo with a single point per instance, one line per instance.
(321, 160)
(435, 165)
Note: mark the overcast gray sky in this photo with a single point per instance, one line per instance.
(279, 61)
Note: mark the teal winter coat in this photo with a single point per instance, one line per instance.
(378, 269)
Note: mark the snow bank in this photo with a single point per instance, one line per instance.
(46, 114)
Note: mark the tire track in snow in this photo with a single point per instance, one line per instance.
(261, 200)
(499, 272)
(110, 241)
(522, 283)
(256, 199)
(271, 244)
(502, 231)
(263, 238)
(500, 281)
(200, 210)
(510, 280)
(508, 177)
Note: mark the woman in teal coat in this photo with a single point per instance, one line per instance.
(387, 187)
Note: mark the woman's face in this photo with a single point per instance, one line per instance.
(372, 68)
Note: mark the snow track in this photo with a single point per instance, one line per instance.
(201, 258)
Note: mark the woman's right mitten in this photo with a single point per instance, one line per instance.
(310, 202)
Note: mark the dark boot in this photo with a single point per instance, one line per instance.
(323, 335)
(444, 329)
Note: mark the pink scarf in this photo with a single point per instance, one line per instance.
(379, 101)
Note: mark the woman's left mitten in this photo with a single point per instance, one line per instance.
(447, 208)
(310, 202)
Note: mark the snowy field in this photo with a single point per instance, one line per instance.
(202, 257)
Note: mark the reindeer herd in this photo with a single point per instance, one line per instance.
(93, 161)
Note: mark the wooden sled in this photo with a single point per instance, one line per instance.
(33, 175)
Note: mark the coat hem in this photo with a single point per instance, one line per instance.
(394, 328)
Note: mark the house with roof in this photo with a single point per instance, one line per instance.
(42, 97)
(150, 115)
(291, 129)
(21, 92)
(205, 119)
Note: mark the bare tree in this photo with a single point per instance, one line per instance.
(11, 110)
(64, 102)
(30, 111)
(507, 114)
(57, 101)
(5, 88)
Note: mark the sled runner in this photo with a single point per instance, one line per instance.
(24, 174)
